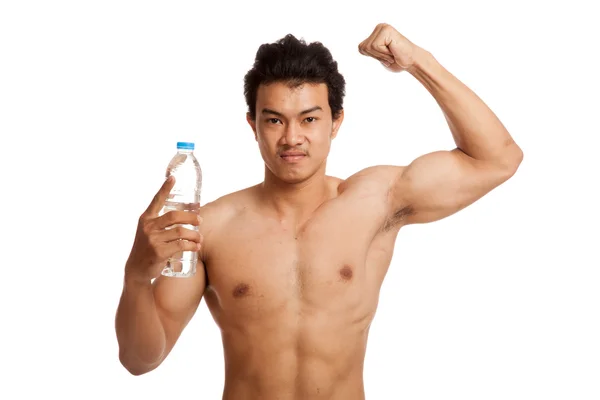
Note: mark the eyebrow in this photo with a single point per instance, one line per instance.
(269, 111)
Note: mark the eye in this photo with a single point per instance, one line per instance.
(273, 120)
(310, 119)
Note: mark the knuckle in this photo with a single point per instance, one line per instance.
(143, 219)
(146, 227)
(168, 219)
(153, 241)
(198, 237)
(180, 231)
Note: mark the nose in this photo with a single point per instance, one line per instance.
(293, 135)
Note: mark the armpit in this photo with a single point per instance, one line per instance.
(397, 218)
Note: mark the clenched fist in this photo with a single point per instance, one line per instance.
(155, 241)
(388, 46)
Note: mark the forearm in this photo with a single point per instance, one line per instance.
(139, 330)
(476, 129)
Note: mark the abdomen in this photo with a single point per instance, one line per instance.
(304, 352)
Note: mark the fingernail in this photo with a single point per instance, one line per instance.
(199, 219)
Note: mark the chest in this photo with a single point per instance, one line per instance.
(267, 264)
(263, 268)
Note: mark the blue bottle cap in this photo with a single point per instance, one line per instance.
(185, 145)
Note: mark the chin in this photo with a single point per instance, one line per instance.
(293, 177)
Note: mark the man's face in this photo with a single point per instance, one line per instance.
(294, 129)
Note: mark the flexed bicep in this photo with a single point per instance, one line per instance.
(439, 184)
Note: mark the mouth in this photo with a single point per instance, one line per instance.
(292, 156)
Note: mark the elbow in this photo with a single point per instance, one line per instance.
(134, 371)
(135, 367)
(513, 156)
(515, 160)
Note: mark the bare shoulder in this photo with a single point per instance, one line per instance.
(220, 212)
(225, 207)
(368, 191)
(376, 180)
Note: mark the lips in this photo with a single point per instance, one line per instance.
(292, 155)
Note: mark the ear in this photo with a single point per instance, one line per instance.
(336, 124)
(252, 124)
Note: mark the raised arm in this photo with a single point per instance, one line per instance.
(441, 183)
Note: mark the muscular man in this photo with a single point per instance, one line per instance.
(291, 268)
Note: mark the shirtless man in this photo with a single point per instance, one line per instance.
(291, 268)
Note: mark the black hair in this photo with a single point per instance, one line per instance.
(294, 62)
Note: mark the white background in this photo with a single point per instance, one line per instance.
(499, 301)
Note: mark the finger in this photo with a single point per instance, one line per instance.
(374, 46)
(375, 53)
(366, 44)
(178, 233)
(172, 248)
(175, 218)
(362, 48)
(387, 57)
(377, 46)
(378, 55)
(376, 31)
(374, 38)
(160, 197)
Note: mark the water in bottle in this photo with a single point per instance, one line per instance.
(185, 196)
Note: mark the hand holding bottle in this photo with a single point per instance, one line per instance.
(155, 241)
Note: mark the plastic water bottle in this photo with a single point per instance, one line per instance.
(185, 196)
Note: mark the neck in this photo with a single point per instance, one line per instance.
(294, 202)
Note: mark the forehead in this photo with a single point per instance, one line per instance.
(281, 97)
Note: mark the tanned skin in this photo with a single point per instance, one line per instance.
(291, 268)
